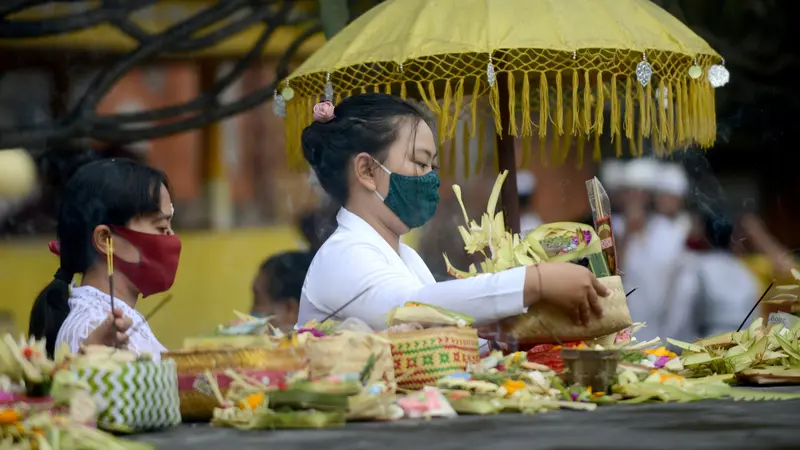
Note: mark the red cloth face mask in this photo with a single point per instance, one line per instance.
(158, 260)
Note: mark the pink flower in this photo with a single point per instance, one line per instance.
(323, 112)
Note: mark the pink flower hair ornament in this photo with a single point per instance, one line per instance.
(323, 112)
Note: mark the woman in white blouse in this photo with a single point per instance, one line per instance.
(376, 155)
(130, 203)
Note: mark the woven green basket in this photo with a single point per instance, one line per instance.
(137, 396)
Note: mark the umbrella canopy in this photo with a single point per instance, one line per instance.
(565, 67)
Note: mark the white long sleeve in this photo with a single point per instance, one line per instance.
(354, 265)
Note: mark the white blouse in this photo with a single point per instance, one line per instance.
(89, 307)
(713, 292)
(357, 263)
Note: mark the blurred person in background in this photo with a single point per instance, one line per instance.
(713, 291)
(526, 187)
(644, 259)
(277, 288)
(130, 202)
(671, 188)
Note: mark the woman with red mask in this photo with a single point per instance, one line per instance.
(130, 203)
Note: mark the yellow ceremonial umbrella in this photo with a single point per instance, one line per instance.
(566, 71)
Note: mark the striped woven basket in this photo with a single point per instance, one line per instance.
(422, 357)
(138, 396)
(267, 365)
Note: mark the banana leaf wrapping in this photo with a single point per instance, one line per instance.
(569, 242)
(543, 320)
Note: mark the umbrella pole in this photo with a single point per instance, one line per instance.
(507, 160)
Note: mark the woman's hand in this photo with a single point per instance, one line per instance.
(570, 287)
(104, 334)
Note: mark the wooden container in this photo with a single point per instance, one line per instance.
(595, 368)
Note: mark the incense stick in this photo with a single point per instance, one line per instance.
(755, 306)
(110, 264)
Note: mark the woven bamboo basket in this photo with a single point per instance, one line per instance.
(542, 320)
(349, 352)
(422, 357)
(265, 364)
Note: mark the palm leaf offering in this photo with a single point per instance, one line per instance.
(502, 250)
(754, 354)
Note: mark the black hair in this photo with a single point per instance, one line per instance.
(285, 273)
(106, 192)
(362, 123)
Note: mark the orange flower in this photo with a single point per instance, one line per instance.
(513, 386)
(252, 401)
(9, 416)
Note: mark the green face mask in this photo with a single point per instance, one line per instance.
(412, 199)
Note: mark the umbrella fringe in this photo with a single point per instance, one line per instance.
(669, 113)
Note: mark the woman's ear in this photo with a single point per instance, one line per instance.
(100, 237)
(364, 167)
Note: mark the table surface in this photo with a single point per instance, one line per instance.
(713, 424)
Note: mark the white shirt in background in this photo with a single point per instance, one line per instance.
(89, 307)
(651, 264)
(357, 263)
(713, 293)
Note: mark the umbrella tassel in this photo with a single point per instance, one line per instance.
(642, 111)
(527, 121)
(559, 105)
(458, 101)
(432, 92)
(576, 121)
(685, 106)
(444, 112)
(494, 102)
(512, 105)
(629, 110)
(598, 115)
(670, 117)
(544, 105)
(615, 129)
(662, 112)
(424, 96)
(587, 104)
(403, 90)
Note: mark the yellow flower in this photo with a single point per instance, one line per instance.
(661, 352)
